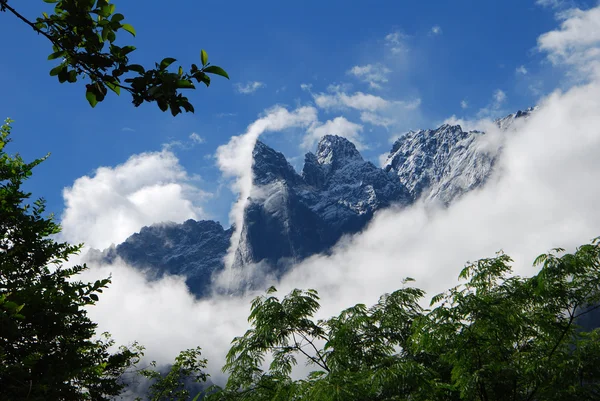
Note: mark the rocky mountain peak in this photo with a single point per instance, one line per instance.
(270, 165)
(336, 151)
(507, 122)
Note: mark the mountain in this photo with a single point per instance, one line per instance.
(443, 164)
(291, 216)
(294, 216)
(193, 249)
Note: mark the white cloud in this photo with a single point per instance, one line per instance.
(249, 87)
(577, 43)
(464, 104)
(164, 317)
(395, 41)
(499, 97)
(375, 110)
(358, 101)
(373, 74)
(436, 30)
(376, 119)
(521, 70)
(222, 115)
(494, 109)
(115, 202)
(338, 126)
(551, 3)
(235, 158)
(195, 138)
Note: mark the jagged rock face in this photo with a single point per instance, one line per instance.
(443, 164)
(508, 122)
(297, 216)
(439, 164)
(270, 165)
(194, 249)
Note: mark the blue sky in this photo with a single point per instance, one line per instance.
(433, 55)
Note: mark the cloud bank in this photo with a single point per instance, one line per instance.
(115, 202)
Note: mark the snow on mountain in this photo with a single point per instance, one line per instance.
(443, 164)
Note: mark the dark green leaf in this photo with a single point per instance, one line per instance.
(56, 70)
(72, 76)
(56, 55)
(185, 84)
(91, 97)
(117, 17)
(137, 68)
(125, 50)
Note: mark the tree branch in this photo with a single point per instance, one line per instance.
(78, 63)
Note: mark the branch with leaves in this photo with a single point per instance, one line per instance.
(83, 35)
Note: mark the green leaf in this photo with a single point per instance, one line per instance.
(56, 70)
(11, 305)
(137, 68)
(128, 28)
(113, 87)
(91, 97)
(117, 17)
(203, 57)
(112, 36)
(125, 50)
(72, 76)
(50, 1)
(166, 62)
(56, 55)
(185, 84)
(94, 297)
(213, 69)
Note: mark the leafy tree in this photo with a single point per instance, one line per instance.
(48, 349)
(171, 386)
(496, 336)
(83, 35)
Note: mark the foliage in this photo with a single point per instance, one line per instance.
(171, 386)
(83, 34)
(496, 336)
(47, 345)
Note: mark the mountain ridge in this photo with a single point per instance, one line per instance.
(290, 216)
